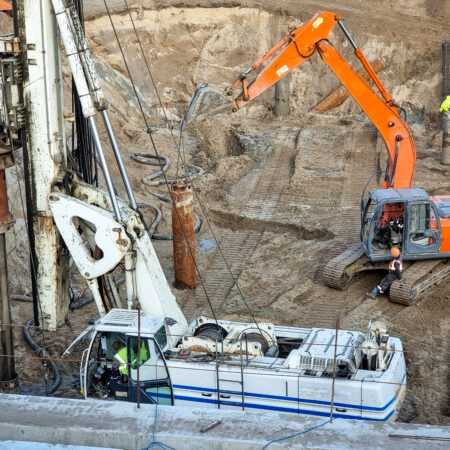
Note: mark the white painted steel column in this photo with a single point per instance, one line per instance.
(45, 149)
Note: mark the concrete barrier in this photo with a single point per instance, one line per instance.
(96, 423)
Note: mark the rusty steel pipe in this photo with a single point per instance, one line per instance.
(338, 96)
(7, 371)
(183, 235)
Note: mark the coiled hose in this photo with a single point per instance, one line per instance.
(163, 162)
(79, 303)
(42, 352)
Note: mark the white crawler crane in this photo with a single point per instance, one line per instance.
(213, 363)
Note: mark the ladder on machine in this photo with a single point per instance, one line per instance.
(220, 362)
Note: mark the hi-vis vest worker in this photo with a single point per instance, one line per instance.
(121, 357)
(143, 355)
(392, 265)
(445, 104)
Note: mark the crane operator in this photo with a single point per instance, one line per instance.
(121, 357)
(395, 273)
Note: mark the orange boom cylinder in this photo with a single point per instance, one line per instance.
(183, 235)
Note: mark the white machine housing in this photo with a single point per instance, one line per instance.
(213, 379)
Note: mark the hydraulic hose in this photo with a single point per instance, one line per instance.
(80, 303)
(86, 301)
(163, 162)
(41, 352)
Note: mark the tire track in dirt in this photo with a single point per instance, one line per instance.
(238, 246)
(325, 304)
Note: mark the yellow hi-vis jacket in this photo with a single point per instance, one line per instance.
(445, 104)
(121, 356)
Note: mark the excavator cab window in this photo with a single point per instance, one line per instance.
(388, 229)
(366, 220)
(423, 228)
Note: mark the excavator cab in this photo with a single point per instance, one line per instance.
(404, 218)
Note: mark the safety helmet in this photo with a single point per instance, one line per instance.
(395, 252)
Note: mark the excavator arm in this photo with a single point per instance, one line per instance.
(310, 38)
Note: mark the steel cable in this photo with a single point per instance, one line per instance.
(149, 133)
(182, 157)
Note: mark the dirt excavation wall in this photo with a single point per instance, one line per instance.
(282, 194)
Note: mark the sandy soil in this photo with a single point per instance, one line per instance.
(282, 194)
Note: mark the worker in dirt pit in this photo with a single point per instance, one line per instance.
(445, 106)
(121, 357)
(395, 273)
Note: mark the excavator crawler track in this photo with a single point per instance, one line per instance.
(338, 272)
(419, 277)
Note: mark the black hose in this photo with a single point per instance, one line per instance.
(146, 158)
(40, 351)
(157, 218)
(192, 172)
(80, 303)
(86, 301)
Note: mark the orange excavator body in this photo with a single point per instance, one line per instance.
(5, 6)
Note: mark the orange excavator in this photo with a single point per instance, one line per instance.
(6, 7)
(395, 215)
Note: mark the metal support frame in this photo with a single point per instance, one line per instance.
(118, 157)
(44, 155)
(88, 87)
(7, 372)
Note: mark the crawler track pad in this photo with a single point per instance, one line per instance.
(339, 272)
(419, 277)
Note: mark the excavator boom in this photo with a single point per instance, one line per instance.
(312, 37)
(288, 54)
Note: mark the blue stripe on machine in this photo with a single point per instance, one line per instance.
(280, 408)
(293, 399)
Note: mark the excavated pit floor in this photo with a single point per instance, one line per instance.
(282, 194)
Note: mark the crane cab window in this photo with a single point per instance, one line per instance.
(161, 337)
(151, 363)
(153, 374)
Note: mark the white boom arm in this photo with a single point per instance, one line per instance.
(89, 224)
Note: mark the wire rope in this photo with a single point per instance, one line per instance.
(149, 133)
(179, 153)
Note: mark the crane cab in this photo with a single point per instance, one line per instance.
(405, 218)
(103, 374)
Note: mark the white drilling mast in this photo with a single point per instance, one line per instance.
(99, 230)
(44, 154)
